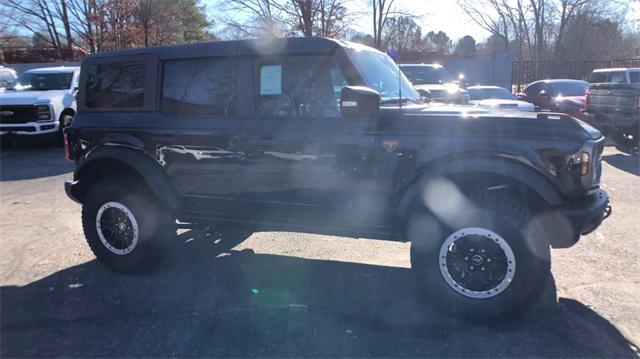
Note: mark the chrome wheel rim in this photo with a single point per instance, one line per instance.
(477, 262)
(117, 228)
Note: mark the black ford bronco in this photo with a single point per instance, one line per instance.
(324, 136)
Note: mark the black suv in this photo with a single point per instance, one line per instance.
(324, 136)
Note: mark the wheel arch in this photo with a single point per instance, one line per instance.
(121, 161)
(67, 111)
(484, 173)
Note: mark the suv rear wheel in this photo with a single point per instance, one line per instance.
(125, 226)
(493, 261)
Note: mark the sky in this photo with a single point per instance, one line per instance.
(432, 15)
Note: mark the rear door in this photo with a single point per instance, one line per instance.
(198, 144)
(304, 162)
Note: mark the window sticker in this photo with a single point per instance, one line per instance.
(271, 80)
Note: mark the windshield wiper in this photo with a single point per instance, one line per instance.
(397, 100)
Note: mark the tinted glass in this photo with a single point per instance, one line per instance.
(490, 93)
(422, 75)
(118, 84)
(569, 88)
(43, 82)
(598, 77)
(634, 77)
(199, 87)
(298, 86)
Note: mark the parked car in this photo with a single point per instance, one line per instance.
(40, 102)
(616, 75)
(433, 82)
(566, 96)
(497, 97)
(7, 77)
(614, 108)
(481, 197)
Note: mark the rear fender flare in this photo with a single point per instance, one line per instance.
(137, 162)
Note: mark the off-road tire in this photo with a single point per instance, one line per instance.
(156, 224)
(627, 141)
(507, 217)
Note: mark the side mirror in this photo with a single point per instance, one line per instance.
(521, 96)
(359, 101)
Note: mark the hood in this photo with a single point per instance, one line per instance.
(505, 104)
(29, 97)
(505, 119)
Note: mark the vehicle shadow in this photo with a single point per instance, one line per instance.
(209, 300)
(33, 160)
(627, 163)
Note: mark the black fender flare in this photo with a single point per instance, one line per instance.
(136, 161)
(503, 167)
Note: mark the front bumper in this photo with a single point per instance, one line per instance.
(73, 190)
(579, 217)
(29, 128)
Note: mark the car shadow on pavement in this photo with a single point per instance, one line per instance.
(33, 160)
(627, 163)
(209, 300)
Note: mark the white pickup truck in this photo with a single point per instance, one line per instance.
(40, 102)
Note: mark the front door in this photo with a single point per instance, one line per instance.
(304, 162)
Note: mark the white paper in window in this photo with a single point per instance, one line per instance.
(271, 80)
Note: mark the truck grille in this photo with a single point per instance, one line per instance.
(18, 114)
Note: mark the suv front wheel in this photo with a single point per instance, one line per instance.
(489, 260)
(125, 226)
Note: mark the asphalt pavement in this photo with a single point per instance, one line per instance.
(230, 292)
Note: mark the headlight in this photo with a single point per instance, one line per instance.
(582, 159)
(43, 112)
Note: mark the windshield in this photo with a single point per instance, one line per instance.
(6, 77)
(43, 82)
(573, 88)
(423, 75)
(490, 93)
(381, 74)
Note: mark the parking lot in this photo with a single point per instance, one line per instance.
(234, 293)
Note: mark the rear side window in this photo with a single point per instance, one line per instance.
(117, 84)
(598, 77)
(199, 87)
(634, 77)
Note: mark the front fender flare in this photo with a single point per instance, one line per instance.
(505, 168)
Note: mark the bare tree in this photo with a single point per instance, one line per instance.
(382, 12)
(264, 16)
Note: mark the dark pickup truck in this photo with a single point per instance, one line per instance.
(314, 135)
(614, 108)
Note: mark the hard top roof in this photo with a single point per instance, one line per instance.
(618, 69)
(239, 47)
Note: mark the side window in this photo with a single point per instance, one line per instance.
(634, 77)
(199, 87)
(298, 86)
(117, 84)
